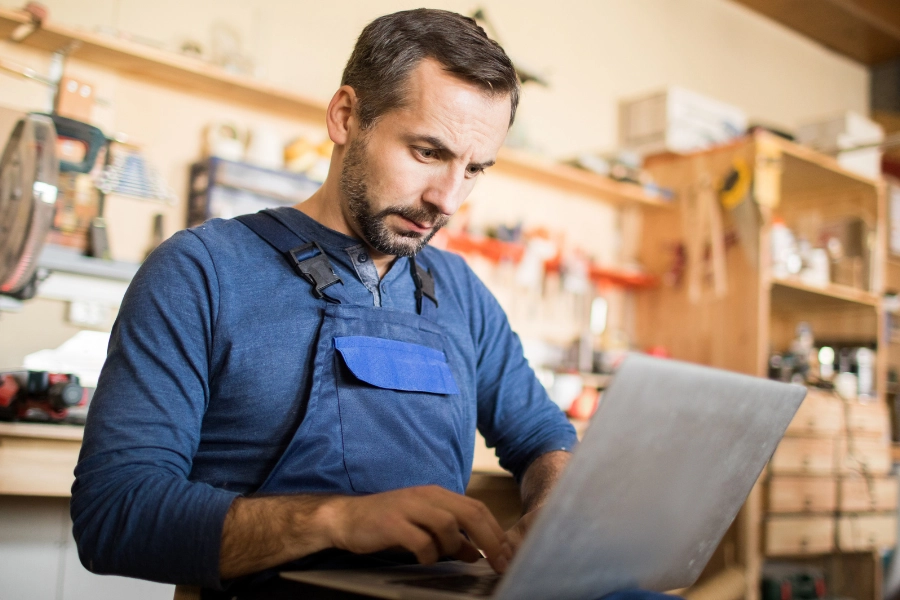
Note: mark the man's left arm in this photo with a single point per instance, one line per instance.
(539, 479)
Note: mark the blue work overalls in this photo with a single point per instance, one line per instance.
(384, 410)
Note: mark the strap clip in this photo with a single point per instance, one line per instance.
(424, 283)
(315, 268)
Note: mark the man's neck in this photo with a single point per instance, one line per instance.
(324, 206)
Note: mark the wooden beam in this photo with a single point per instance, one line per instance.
(865, 30)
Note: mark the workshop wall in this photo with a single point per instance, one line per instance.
(592, 53)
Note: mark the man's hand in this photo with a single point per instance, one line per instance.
(428, 521)
(265, 532)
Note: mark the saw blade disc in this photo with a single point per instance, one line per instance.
(29, 171)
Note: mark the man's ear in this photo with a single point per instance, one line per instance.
(340, 115)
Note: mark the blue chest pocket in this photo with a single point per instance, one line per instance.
(401, 415)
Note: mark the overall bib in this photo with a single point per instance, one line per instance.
(384, 410)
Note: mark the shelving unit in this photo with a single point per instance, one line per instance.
(196, 76)
(758, 313)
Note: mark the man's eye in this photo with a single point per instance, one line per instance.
(475, 170)
(427, 152)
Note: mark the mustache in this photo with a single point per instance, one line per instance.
(421, 215)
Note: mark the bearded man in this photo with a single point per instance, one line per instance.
(303, 386)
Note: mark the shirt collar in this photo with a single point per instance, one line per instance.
(310, 229)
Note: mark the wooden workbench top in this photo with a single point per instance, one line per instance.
(44, 431)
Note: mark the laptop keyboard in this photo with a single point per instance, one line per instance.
(473, 585)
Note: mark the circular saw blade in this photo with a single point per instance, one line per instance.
(29, 171)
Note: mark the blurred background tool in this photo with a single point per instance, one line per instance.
(736, 197)
(29, 171)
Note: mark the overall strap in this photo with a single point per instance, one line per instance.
(307, 259)
(424, 282)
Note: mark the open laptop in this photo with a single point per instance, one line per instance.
(669, 458)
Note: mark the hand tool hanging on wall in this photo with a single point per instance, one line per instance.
(704, 232)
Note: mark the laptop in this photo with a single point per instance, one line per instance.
(666, 463)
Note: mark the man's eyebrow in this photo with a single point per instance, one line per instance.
(438, 144)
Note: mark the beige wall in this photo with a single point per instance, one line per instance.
(593, 52)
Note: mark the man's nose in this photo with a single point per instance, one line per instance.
(445, 190)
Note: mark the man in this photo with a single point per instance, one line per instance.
(248, 417)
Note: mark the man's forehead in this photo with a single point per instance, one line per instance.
(440, 105)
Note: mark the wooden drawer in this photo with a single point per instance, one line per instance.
(868, 419)
(859, 495)
(788, 494)
(871, 453)
(796, 455)
(799, 535)
(820, 413)
(867, 532)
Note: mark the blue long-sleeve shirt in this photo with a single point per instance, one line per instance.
(199, 393)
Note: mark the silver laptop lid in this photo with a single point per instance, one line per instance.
(670, 456)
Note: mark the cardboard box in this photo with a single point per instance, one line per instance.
(677, 120)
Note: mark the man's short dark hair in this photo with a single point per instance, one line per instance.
(390, 47)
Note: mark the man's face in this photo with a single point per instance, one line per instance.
(404, 177)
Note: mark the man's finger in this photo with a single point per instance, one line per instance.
(467, 552)
(419, 542)
(479, 524)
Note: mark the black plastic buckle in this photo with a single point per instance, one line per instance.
(424, 283)
(315, 268)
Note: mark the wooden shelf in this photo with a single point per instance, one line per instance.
(866, 31)
(160, 66)
(834, 295)
(806, 171)
(200, 77)
(541, 170)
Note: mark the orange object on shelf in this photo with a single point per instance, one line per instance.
(490, 248)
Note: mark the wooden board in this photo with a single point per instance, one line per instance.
(788, 494)
(870, 419)
(820, 414)
(867, 532)
(804, 456)
(864, 455)
(862, 494)
(31, 466)
(797, 535)
(865, 30)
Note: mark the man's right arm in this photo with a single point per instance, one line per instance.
(268, 531)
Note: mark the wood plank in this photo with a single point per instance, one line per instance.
(40, 430)
(864, 30)
(867, 532)
(37, 467)
(794, 292)
(798, 535)
(820, 414)
(801, 455)
(525, 165)
(869, 419)
(864, 455)
(789, 494)
(868, 494)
